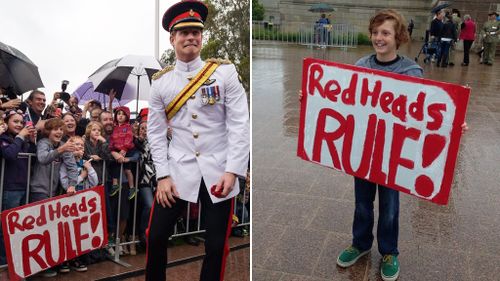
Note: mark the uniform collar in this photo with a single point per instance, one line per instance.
(189, 66)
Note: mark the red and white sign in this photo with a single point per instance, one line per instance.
(43, 234)
(396, 130)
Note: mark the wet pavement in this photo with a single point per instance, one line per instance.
(237, 265)
(302, 213)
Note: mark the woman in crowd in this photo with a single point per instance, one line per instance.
(468, 34)
(70, 125)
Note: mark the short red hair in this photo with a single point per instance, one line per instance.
(380, 17)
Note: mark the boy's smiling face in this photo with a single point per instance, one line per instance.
(383, 39)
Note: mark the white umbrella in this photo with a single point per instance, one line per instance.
(129, 76)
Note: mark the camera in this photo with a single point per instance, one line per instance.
(64, 95)
(7, 94)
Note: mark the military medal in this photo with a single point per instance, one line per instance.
(216, 92)
(204, 96)
(211, 97)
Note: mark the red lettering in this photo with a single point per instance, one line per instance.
(367, 147)
(73, 210)
(416, 108)
(83, 205)
(349, 94)
(376, 173)
(399, 108)
(330, 137)
(434, 111)
(332, 94)
(385, 101)
(65, 211)
(34, 253)
(400, 134)
(92, 204)
(60, 242)
(28, 222)
(365, 92)
(315, 75)
(12, 222)
(54, 213)
(41, 220)
(79, 237)
(70, 252)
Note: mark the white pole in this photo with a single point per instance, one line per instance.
(157, 29)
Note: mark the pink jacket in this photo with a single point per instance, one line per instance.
(469, 31)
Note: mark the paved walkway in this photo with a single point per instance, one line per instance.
(302, 213)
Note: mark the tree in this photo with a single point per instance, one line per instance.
(226, 35)
(257, 10)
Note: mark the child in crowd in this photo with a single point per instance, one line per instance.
(96, 147)
(18, 138)
(87, 178)
(52, 153)
(121, 145)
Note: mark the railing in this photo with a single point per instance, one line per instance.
(321, 35)
(116, 258)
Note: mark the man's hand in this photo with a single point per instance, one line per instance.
(166, 192)
(300, 95)
(225, 184)
(11, 104)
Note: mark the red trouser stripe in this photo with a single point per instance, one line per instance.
(147, 229)
(226, 243)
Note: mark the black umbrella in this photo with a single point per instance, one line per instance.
(440, 7)
(321, 8)
(17, 72)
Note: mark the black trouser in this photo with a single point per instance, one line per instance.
(467, 45)
(161, 226)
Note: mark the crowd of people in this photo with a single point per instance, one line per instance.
(448, 27)
(72, 152)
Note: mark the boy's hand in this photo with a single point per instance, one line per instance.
(71, 190)
(464, 127)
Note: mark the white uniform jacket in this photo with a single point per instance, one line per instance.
(207, 140)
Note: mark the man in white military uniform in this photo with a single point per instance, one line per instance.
(207, 109)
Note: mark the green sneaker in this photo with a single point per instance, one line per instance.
(114, 190)
(131, 193)
(389, 270)
(350, 256)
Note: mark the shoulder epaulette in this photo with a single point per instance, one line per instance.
(219, 61)
(163, 71)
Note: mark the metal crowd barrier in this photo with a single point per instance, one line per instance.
(330, 35)
(116, 258)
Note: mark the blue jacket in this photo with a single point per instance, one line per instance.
(16, 168)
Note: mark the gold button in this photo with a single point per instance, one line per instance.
(193, 97)
(197, 153)
(195, 135)
(194, 115)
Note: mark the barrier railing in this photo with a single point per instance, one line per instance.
(327, 35)
(118, 243)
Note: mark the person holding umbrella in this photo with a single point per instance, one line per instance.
(206, 106)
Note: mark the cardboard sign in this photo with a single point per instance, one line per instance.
(399, 131)
(43, 234)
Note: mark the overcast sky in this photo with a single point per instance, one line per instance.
(69, 40)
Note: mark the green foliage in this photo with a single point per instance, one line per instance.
(363, 39)
(257, 10)
(226, 35)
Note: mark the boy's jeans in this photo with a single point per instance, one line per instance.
(388, 222)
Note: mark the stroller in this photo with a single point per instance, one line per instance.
(429, 48)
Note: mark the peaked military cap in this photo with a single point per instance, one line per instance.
(187, 13)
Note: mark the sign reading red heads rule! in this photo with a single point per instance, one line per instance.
(399, 131)
(43, 234)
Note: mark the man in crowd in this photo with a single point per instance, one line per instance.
(490, 33)
(207, 109)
